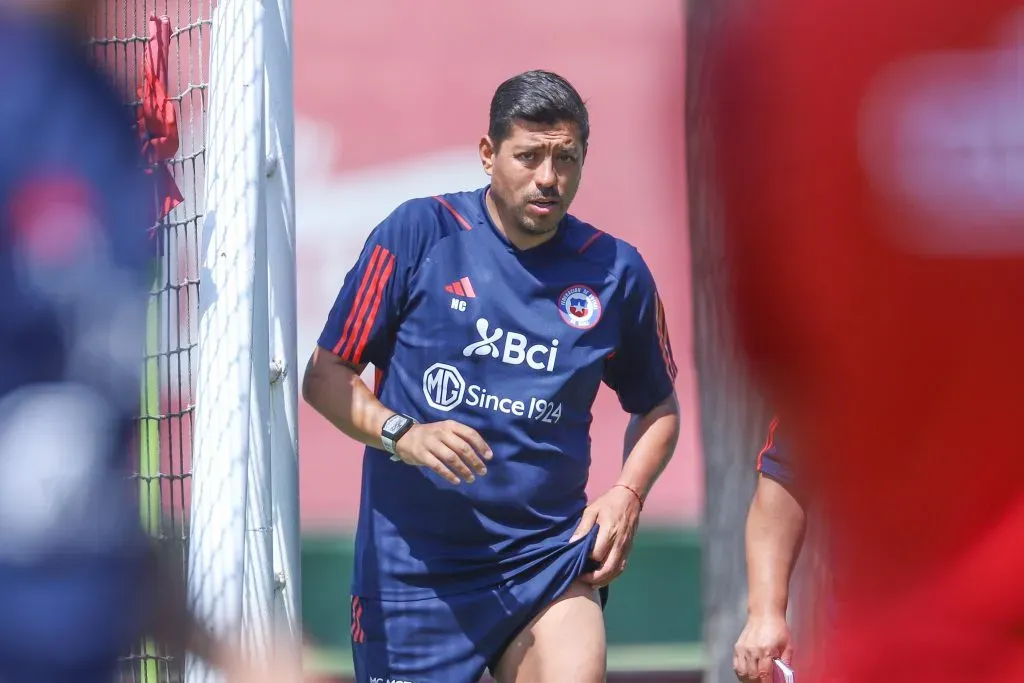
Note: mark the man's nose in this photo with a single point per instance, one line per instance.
(545, 176)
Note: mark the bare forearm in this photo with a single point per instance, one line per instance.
(172, 623)
(649, 444)
(337, 392)
(775, 532)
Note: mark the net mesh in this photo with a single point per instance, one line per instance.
(120, 35)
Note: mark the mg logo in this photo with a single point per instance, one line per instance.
(443, 386)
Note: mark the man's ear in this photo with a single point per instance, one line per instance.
(487, 151)
(583, 159)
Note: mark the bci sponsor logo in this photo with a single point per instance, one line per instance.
(512, 348)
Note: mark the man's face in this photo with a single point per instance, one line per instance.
(535, 173)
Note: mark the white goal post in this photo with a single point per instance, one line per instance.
(243, 563)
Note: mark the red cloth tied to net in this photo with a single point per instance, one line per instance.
(157, 118)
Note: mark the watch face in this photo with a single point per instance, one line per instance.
(394, 423)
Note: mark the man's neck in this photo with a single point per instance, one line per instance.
(519, 238)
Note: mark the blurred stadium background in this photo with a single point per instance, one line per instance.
(390, 99)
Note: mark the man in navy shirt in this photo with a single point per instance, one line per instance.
(492, 317)
(80, 583)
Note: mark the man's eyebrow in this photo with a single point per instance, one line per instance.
(561, 146)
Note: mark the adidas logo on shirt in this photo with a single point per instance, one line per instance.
(460, 288)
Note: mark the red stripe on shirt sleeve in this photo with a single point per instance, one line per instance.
(663, 339)
(769, 442)
(371, 318)
(375, 258)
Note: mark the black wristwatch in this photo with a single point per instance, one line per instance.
(394, 429)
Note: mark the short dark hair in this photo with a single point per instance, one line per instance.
(538, 97)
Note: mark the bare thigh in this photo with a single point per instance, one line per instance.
(565, 642)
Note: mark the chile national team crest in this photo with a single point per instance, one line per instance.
(579, 307)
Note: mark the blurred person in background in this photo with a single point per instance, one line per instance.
(776, 524)
(871, 166)
(492, 318)
(80, 582)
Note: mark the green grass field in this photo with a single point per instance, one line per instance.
(621, 658)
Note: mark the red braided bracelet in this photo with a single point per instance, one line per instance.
(633, 491)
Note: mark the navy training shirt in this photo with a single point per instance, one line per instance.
(75, 208)
(462, 325)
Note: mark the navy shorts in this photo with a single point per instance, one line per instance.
(454, 638)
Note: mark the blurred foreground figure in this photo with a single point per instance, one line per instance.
(872, 166)
(80, 583)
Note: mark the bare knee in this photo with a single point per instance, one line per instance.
(565, 642)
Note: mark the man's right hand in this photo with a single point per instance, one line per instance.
(451, 449)
(765, 637)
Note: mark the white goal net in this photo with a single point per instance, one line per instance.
(159, 53)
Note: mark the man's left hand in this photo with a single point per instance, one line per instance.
(616, 514)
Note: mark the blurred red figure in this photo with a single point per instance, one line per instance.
(871, 159)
